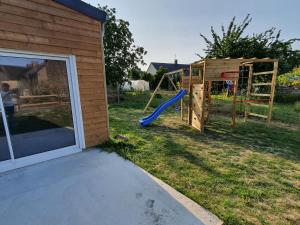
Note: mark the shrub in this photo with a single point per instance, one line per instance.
(287, 98)
(159, 96)
(297, 106)
(290, 79)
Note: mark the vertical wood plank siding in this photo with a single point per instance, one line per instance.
(48, 27)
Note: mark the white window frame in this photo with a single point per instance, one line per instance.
(76, 113)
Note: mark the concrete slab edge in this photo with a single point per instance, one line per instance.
(205, 216)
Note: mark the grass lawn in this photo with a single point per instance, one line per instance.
(250, 175)
(285, 113)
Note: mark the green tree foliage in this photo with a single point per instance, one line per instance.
(234, 43)
(121, 54)
(135, 74)
(147, 76)
(157, 77)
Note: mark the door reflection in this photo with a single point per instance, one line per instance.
(4, 150)
(37, 103)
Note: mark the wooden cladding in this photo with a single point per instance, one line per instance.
(215, 72)
(44, 26)
(185, 81)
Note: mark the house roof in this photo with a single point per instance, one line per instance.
(170, 66)
(85, 9)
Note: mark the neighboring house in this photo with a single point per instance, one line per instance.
(154, 67)
(137, 85)
(51, 54)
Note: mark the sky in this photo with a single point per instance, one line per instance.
(170, 28)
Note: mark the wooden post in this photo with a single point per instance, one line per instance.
(273, 87)
(209, 100)
(202, 119)
(235, 88)
(182, 110)
(182, 100)
(154, 93)
(249, 87)
(190, 111)
(202, 103)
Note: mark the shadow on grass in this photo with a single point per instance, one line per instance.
(120, 147)
(176, 150)
(252, 136)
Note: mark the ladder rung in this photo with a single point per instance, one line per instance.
(256, 104)
(263, 73)
(261, 95)
(258, 115)
(262, 84)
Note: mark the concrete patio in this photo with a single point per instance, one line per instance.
(93, 188)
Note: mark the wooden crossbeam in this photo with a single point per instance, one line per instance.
(261, 95)
(263, 73)
(154, 93)
(258, 115)
(262, 84)
(39, 104)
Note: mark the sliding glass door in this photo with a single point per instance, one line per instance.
(37, 107)
(5, 153)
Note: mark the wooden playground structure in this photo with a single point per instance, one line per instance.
(260, 87)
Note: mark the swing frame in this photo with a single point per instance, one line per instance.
(168, 76)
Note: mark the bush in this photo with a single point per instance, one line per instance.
(147, 77)
(297, 106)
(159, 96)
(287, 98)
(290, 79)
(157, 77)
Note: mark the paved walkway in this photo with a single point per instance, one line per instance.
(93, 188)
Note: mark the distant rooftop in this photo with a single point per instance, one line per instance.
(170, 66)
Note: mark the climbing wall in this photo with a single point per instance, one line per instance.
(200, 105)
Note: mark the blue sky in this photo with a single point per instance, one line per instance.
(167, 28)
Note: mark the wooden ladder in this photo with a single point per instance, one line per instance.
(265, 102)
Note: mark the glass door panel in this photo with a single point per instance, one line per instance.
(4, 149)
(37, 104)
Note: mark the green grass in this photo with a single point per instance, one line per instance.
(249, 175)
(285, 113)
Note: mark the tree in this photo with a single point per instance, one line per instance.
(157, 77)
(135, 74)
(121, 54)
(147, 76)
(235, 44)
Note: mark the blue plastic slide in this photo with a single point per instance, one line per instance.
(147, 120)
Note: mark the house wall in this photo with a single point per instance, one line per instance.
(151, 69)
(48, 27)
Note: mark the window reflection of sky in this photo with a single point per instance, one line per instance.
(19, 62)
